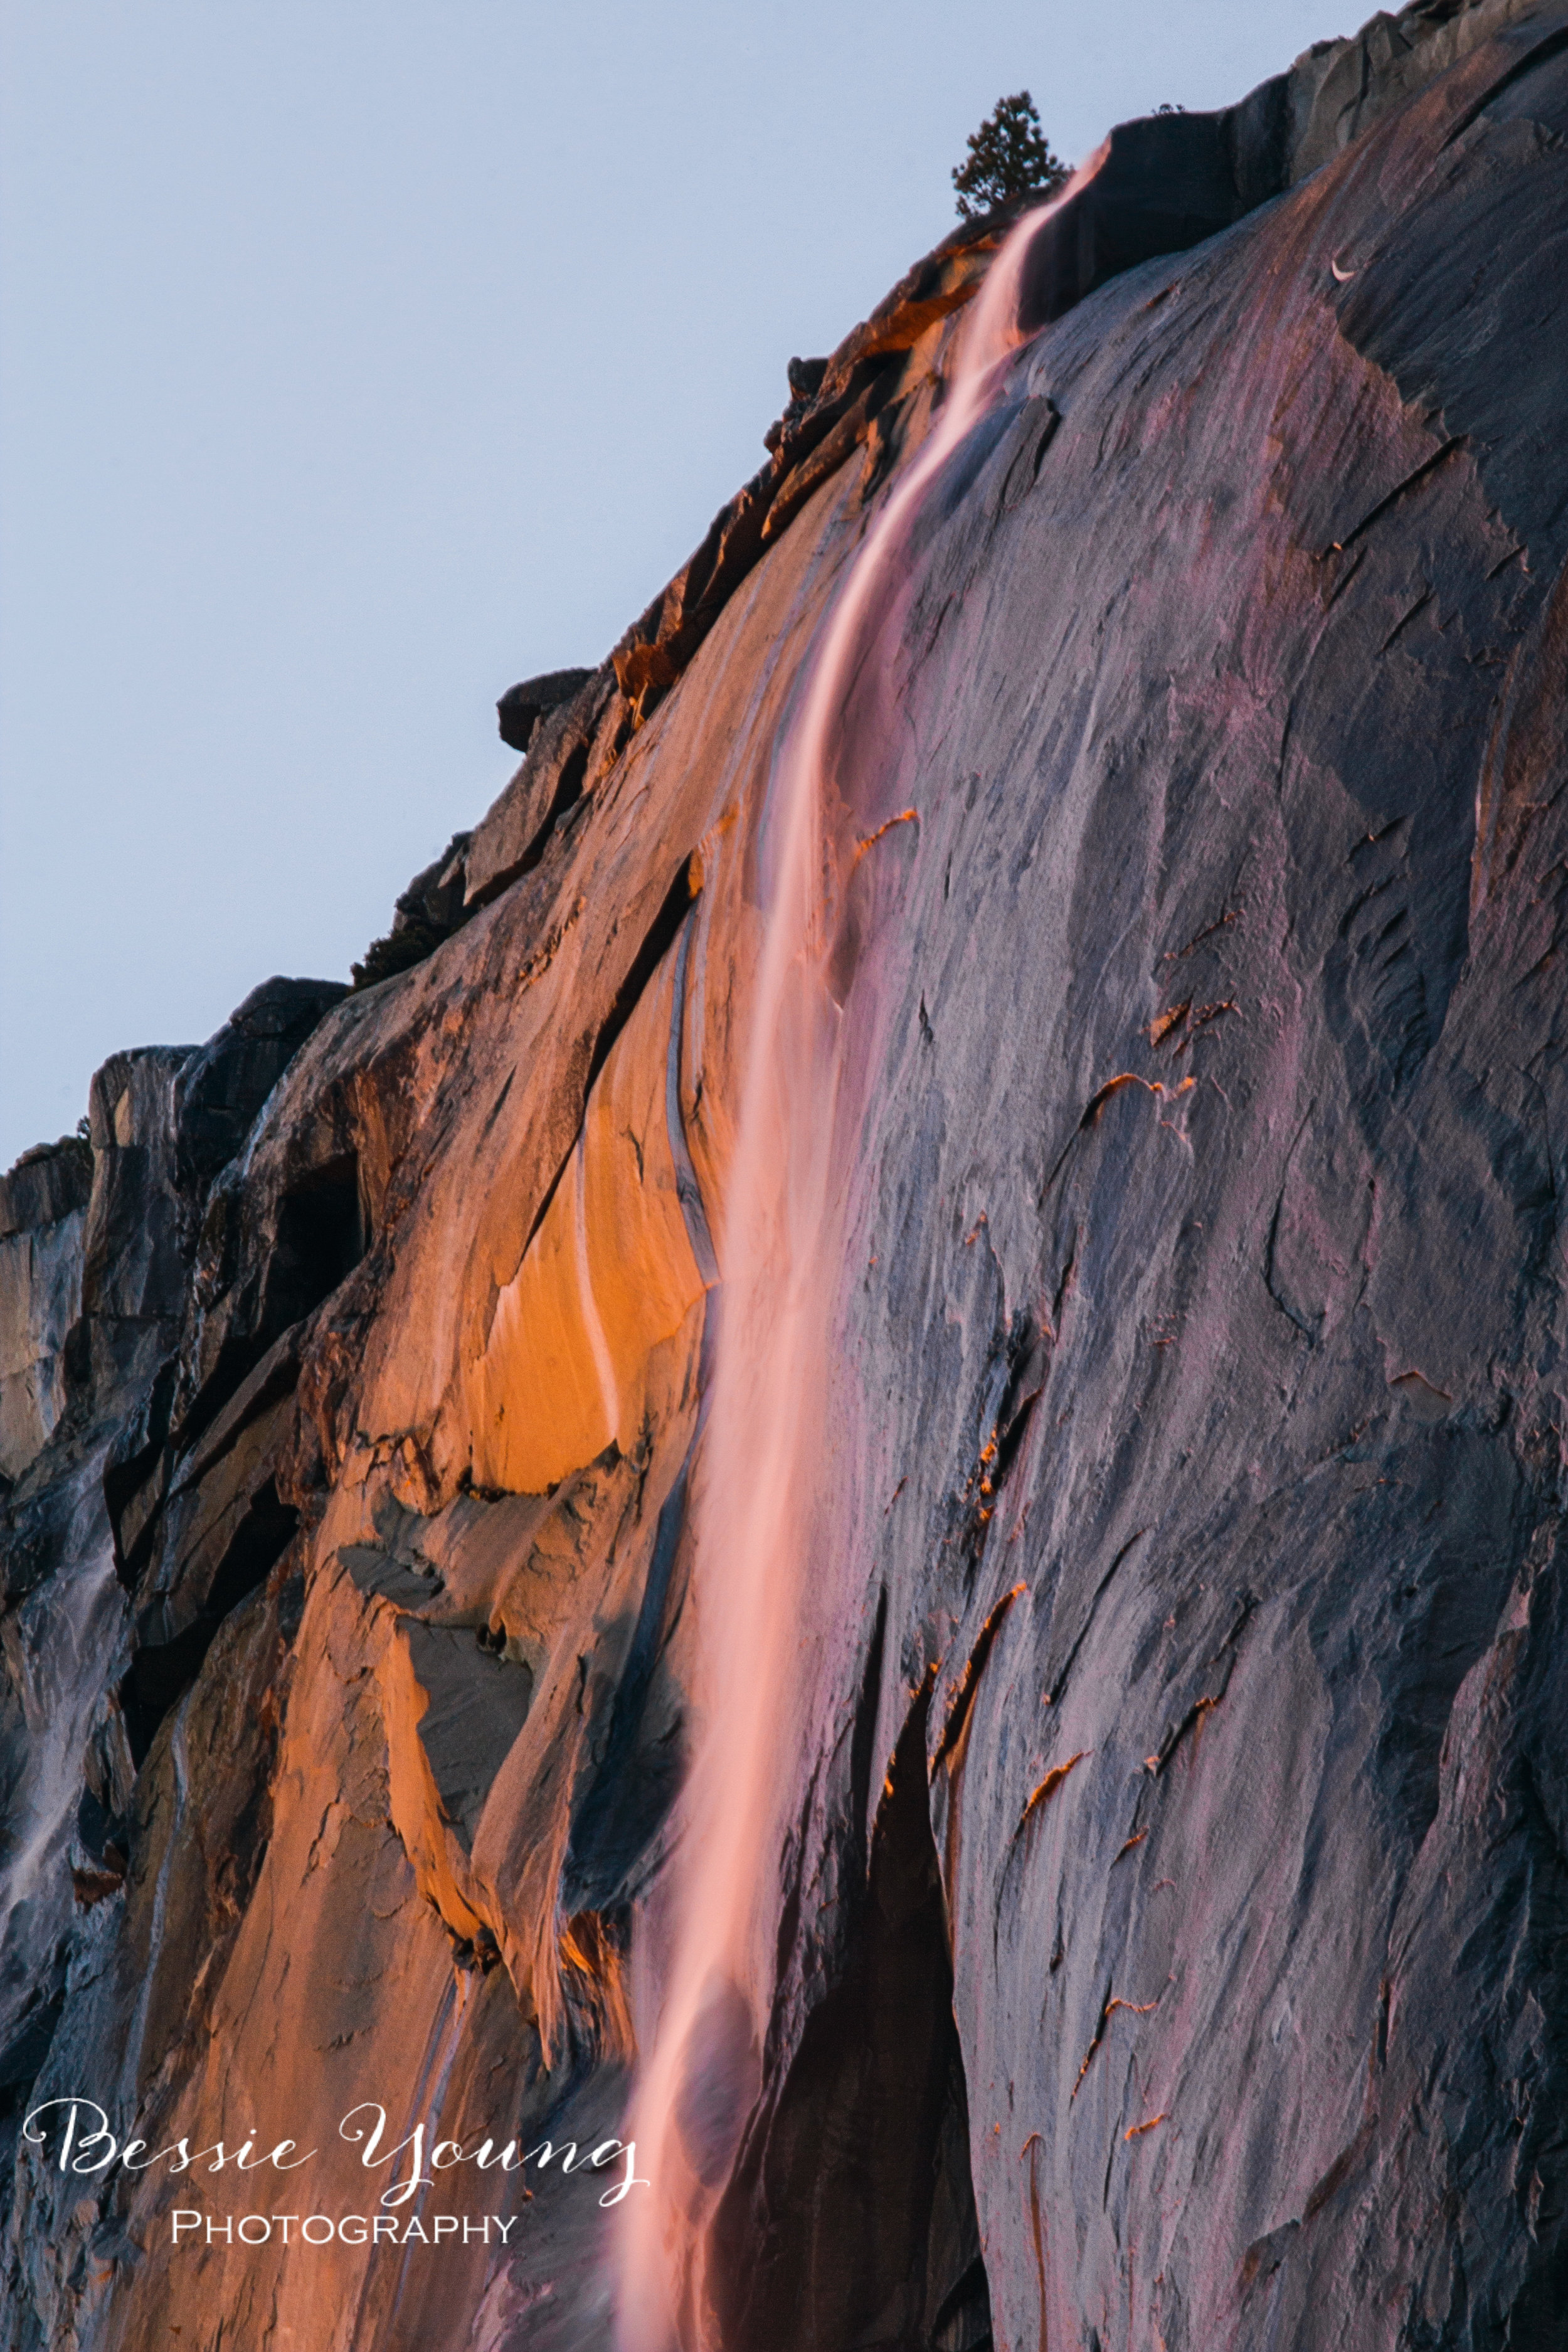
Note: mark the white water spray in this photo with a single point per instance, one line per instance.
(763, 1445)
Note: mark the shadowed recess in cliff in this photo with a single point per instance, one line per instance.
(323, 1231)
(302, 1247)
(659, 937)
(161, 1671)
(850, 2218)
(619, 1809)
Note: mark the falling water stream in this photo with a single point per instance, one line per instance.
(764, 1442)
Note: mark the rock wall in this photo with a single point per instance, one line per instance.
(43, 1203)
(1173, 1862)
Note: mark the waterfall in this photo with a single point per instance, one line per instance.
(763, 1442)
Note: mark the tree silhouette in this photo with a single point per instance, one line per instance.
(1009, 156)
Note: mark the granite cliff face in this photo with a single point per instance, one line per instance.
(1170, 1876)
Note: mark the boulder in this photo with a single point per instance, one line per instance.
(522, 707)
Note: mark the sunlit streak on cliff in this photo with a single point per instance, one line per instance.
(760, 1475)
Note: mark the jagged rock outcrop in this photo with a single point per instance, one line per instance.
(522, 707)
(113, 1225)
(1172, 1862)
(43, 1209)
(427, 912)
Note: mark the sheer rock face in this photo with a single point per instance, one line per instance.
(43, 1204)
(1171, 1841)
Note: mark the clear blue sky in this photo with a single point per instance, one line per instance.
(356, 359)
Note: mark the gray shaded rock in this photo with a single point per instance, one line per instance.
(1164, 182)
(65, 1766)
(436, 894)
(522, 707)
(45, 1184)
(133, 1272)
(93, 1293)
(805, 378)
(42, 1206)
(41, 1299)
(1211, 881)
(425, 915)
(223, 1086)
(1340, 89)
(477, 1705)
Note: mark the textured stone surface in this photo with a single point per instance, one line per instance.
(1171, 1837)
(522, 707)
(100, 1263)
(223, 1087)
(43, 1203)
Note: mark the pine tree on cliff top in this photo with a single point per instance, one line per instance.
(1009, 156)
